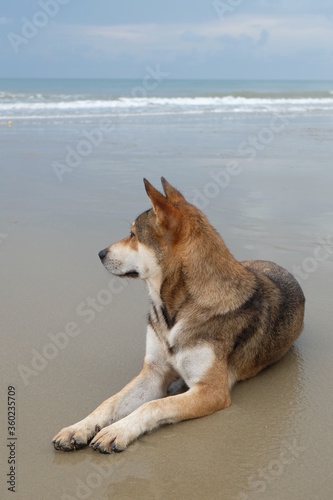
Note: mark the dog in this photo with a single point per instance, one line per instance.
(213, 321)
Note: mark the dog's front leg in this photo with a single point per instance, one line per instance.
(205, 396)
(151, 383)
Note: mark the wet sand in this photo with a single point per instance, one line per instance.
(275, 441)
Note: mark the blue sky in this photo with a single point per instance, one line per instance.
(269, 39)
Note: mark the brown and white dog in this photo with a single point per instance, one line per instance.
(213, 322)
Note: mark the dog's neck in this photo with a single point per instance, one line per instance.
(154, 288)
(224, 287)
(168, 293)
(219, 282)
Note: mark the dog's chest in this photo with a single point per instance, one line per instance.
(163, 324)
(164, 345)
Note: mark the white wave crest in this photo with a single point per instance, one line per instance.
(167, 105)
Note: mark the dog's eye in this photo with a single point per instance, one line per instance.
(131, 235)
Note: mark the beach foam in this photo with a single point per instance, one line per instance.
(18, 107)
(66, 98)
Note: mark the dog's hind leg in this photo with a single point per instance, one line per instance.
(152, 383)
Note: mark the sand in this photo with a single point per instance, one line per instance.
(62, 357)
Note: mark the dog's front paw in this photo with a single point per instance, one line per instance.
(74, 437)
(112, 439)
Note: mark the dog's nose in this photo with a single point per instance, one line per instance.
(102, 253)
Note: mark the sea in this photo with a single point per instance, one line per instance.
(74, 146)
(59, 100)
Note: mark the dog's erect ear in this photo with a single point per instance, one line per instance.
(167, 215)
(171, 193)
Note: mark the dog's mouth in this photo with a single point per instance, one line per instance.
(129, 274)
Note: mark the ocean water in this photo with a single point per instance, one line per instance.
(65, 99)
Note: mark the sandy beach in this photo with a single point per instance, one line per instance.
(265, 183)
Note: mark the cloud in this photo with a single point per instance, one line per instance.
(243, 42)
(264, 37)
(237, 46)
(278, 34)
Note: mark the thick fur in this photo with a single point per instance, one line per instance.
(213, 321)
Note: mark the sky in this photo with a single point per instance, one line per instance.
(206, 39)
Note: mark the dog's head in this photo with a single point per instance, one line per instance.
(152, 236)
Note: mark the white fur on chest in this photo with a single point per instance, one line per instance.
(193, 363)
(190, 363)
(154, 286)
(174, 332)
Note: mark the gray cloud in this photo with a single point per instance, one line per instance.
(259, 39)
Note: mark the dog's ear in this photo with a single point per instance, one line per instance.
(167, 215)
(171, 193)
